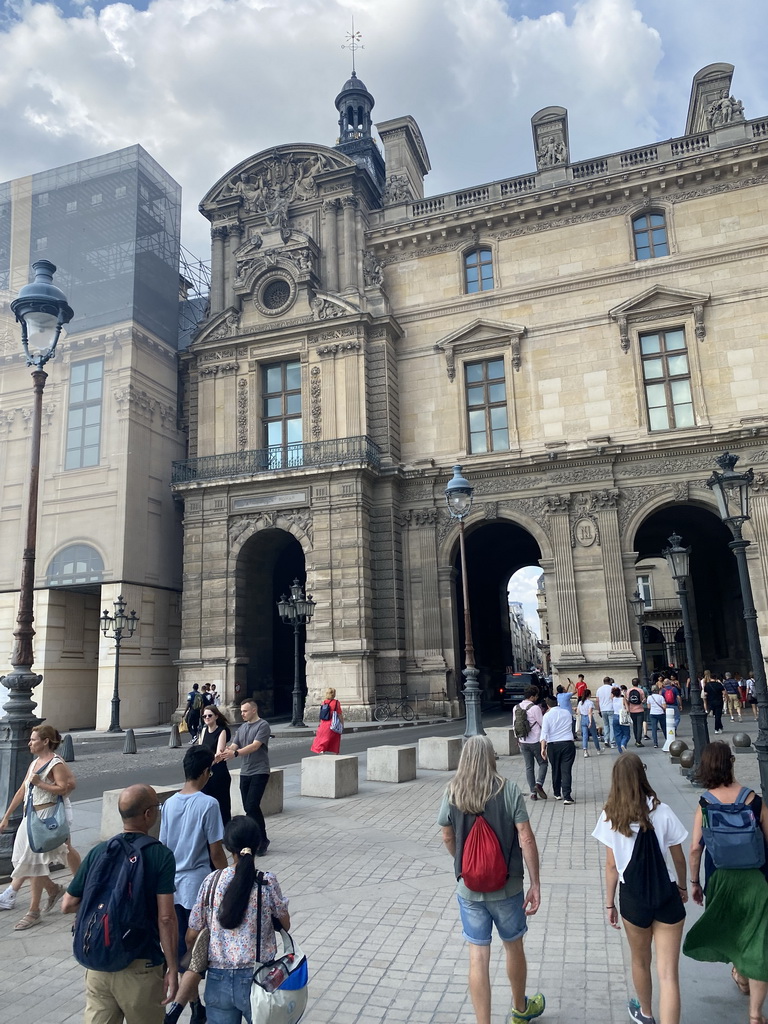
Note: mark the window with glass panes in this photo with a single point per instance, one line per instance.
(282, 404)
(487, 406)
(650, 232)
(478, 270)
(644, 590)
(667, 380)
(84, 414)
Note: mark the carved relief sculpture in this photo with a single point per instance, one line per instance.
(315, 392)
(397, 190)
(242, 414)
(372, 272)
(724, 110)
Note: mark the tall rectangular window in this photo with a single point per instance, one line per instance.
(667, 380)
(487, 406)
(84, 414)
(282, 412)
(644, 589)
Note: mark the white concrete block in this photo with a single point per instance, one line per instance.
(440, 753)
(391, 764)
(504, 741)
(330, 776)
(112, 823)
(271, 802)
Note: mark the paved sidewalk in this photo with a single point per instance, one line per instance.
(372, 904)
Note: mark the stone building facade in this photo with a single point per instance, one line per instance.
(108, 524)
(583, 339)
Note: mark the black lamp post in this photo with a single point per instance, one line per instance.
(637, 605)
(458, 496)
(297, 611)
(120, 625)
(678, 560)
(731, 490)
(42, 310)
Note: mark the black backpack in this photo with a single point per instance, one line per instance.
(634, 697)
(114, 920)
(325, 712)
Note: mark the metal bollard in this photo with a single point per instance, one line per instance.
(175, 739)
(67, 749)
(129, 747)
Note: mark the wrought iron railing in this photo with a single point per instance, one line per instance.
(305, 455)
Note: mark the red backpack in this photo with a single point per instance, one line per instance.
(669, 695)
(483, 868)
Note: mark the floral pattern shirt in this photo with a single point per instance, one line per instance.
(230, 949)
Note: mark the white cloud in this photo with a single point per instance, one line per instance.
(205, 83)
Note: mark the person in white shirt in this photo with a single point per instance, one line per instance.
(586, 710)
(604, 701)
(658, 714)
(558, 747)
(530, 745)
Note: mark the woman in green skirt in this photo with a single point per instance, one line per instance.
(734, 926)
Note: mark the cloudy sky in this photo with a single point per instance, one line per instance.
(203, 84)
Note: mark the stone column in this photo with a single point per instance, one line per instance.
(613, 572)
(430, 612)
(570, 632)
(235, 234)
(759, 524)
(349, 275)
(218, 235)
(330, 232)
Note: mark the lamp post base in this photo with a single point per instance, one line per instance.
(15, 729)
(472, 699)
(114, 724)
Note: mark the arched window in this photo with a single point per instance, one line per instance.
(478, 271)
(650, 234)
(79, 563)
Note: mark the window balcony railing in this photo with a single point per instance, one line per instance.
(304, 455)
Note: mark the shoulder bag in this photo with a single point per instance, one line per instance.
(279, 989)
(46, 834)
(624, 717)
(336, 723)
(196, 959)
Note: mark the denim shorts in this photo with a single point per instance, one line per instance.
(477, 919)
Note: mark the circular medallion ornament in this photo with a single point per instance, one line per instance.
(274, 294)
(584, 532)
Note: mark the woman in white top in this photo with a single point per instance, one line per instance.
(657, 707)
(586, 709)
(644, 858)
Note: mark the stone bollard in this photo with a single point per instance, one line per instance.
(742, 743)
(391, 764)
(440, 753)
(676, 749)
(504, 741)
(112, 823)
(129, 747)
(271, 802)
(331, 776)
(175, 739)
(67, 749)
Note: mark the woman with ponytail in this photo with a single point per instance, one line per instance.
(231, 915)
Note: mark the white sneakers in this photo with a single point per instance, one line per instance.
(8, 899)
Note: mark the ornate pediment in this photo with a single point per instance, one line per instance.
(660, 303)
(266, 184)
(478, 336)
(224, 325)
(299, 256)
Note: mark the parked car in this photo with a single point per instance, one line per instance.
(516, 683)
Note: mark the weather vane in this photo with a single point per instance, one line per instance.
(353, 43)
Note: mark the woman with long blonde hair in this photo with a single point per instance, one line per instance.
(479, 789)
(644, 858)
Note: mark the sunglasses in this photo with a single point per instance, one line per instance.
(209, 716)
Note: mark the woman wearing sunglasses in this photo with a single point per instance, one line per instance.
(215, 734)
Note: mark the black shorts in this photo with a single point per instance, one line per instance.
(635, 909)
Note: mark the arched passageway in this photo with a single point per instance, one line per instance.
(495, 551)
(719, 636)
(269, 562)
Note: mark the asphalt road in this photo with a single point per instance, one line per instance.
(100, 764)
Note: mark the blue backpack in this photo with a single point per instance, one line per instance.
(732, 834)
(112, 922)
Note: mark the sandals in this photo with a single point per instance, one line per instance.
(742, 984)
(30, 919)
(52, 898)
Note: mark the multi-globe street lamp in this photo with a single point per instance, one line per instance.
(637, 603)
(458, 497)
(120, 626)
(297, 611)
(42, 310)
(731, 490)
(679, 563)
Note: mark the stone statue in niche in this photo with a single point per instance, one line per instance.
(552, 152)
(724, 110)
(397, 190)
(279, 182)
(373, 275)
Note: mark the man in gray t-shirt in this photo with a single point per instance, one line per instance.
(251, 743)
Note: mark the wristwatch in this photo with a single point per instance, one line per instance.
(236, 752)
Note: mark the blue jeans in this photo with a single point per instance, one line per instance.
(588, 730)
(621, 732)
(658, 722)
(478, 917)
(228, 995)
(608, 734)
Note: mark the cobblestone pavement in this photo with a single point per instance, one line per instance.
(372, 902)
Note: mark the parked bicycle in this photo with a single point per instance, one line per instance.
(387, 708)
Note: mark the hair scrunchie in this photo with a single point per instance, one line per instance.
(245, 850)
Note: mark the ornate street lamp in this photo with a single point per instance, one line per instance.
(42, 310)
(297, 611)
(637, 604)
(731, 490)
(458, 497)
(119, 625)
(678, 561)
